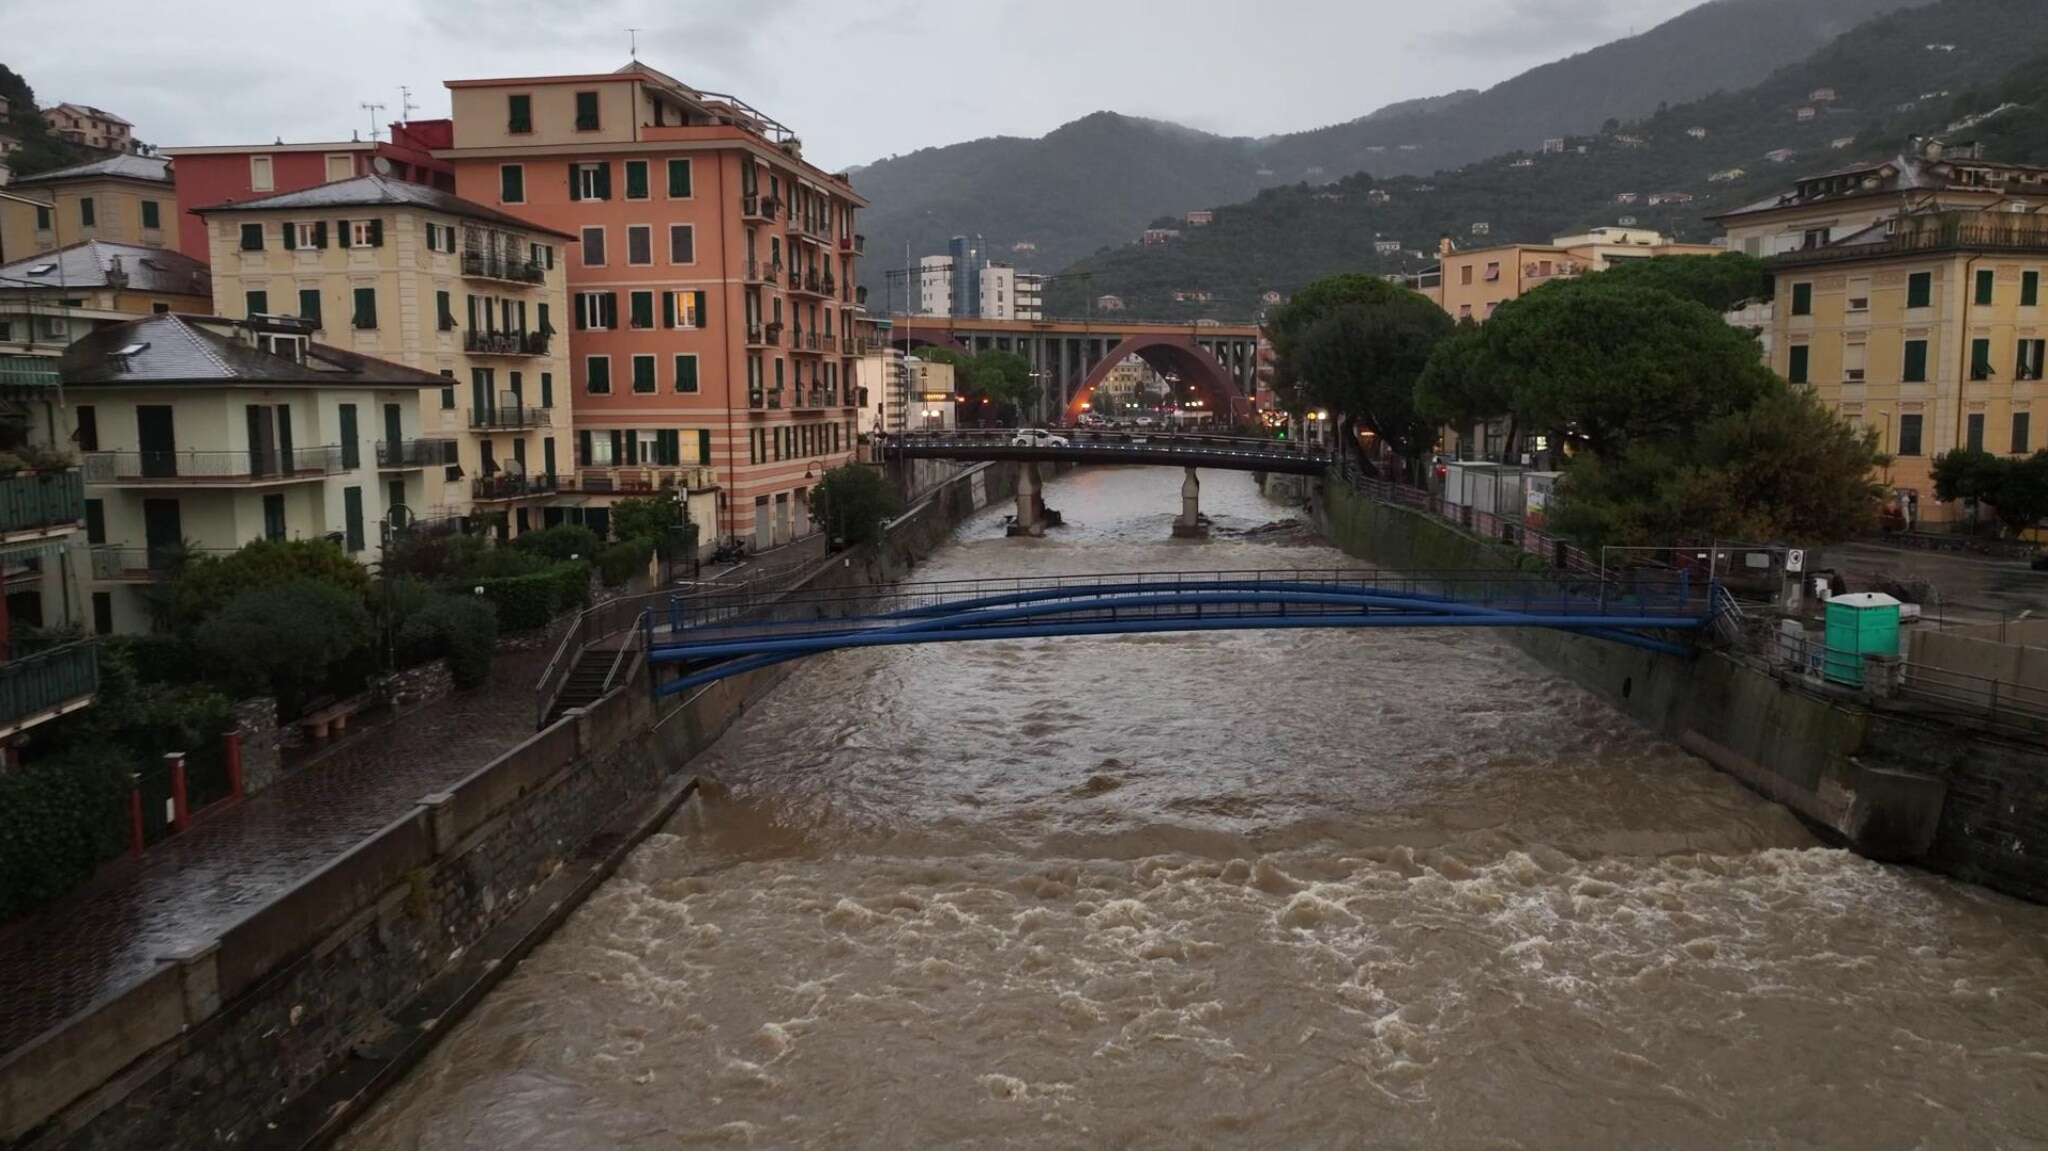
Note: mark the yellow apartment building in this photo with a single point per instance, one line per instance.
(206, 434)
(128, 199)
(1476, 281)
(1927, 328)
(408, 273)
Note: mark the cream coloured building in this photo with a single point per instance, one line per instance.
(1929, 330)
(408, 273)
(199, 433)
(1473, 282)
(128, 199)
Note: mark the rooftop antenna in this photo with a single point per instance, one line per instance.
(373, 110)
(633, 42)
(405, 105)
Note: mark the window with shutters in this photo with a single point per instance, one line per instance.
(2020, 421)
(1802, 299)
(448, 390)
(305, 235)
(682, 244)
(1986, 285)
(352, 514)
(641, 309)
(2030, 289)
(259, 174)
(512, 183)
(1909, 434)
(586, 111)
(547, 389)
(597, 375)
(1916, 362)
(1920, 290)
(255, 303)
(252, 237)
(309, 305)
(593, 247)
(643, 374)
(686, 372)
(679, 178)
(365, 233)
(639, 244)
(690, 309)
(366, 308)
(519, 112)
(596, 310)
(444, 311)
(1853, 355)
(351, 451)
(590, 181)
(636, 179)
(2027, 359)
(44, 219)
(150, 217)
(1980, 359)
(1973, 436)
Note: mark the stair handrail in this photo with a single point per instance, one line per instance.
(632, 643)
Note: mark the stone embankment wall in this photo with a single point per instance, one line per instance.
(282, 1028)
(1928, 789)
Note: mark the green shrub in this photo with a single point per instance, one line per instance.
(157, 658)
(462, 628)
(205, 584)
(528, 601)
(853, 502)
(290, 640)
(622, 561)
(561, 542)
(60, 817)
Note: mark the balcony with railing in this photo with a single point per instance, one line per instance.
(512, 486)
(36, 504)
(848, 346)
(497, 266)
(228, 468)
(424, 452)
(510, 416)
(39, 686)
(644, 478)
(485, 343)
(755, 206)
(764, 399)
(856, 244)
(763, 271)
(127, 564)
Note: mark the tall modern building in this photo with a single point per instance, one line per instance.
(992, 291)
(712, 300)
(967, 257)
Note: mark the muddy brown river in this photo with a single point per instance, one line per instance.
(1270, 889)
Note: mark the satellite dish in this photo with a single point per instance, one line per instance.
(380, 165)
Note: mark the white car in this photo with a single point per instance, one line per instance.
(1037, 438)
(1144, 421)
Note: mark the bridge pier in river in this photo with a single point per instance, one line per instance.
(1033, 517)
(1189, 525)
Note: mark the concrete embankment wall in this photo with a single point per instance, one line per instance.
(288, 1022)
(1892, 785)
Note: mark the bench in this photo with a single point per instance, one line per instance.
(334, 716)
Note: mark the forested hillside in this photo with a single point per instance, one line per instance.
(1913, 72)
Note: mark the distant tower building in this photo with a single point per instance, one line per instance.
(967, 262)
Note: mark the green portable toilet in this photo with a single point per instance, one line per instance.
(1859, 624)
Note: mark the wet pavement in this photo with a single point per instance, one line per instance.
(184, 891)
(1966, 589)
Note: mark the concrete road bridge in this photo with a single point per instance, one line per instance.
(1071, 357)
(1083, 446)
(696, 639)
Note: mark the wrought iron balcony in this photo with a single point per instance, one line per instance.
(848, 346)
(763, 272)
(511, 416)
(493, 266)
(39, 503)
(505, 343)
(39, 686)
(755, 206)
(771, 335)
(507, 486)
(216, 468)
(417, 453)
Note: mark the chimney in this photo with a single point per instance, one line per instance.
(117, 276)
(1445, 245)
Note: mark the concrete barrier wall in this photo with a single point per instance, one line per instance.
(214, 1044)
(2022, 665)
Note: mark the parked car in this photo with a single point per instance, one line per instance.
(1091, 420)
(1144, 421)
(1037, 438)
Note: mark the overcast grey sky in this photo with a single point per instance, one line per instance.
(858, 79)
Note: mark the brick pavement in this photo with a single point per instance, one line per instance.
(185, 890)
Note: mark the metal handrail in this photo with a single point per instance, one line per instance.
(637, 632)
(591, 625)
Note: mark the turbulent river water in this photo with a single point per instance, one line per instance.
(1300, 889)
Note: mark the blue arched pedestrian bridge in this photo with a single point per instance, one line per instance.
(713, 634)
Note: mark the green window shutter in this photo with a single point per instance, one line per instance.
(284, 234)
(1802, 299)
(678, 178)
(1797, 372)
(703, 445)
(255, 303)
(604, 180)
(252, 237)
(1916, 361)
(309, 305)
(1986, 285)
(575, 185)
(150, 218)
(643, 373)
(2030, 289)
(352, 510)
(686, 373)
(611, 310)
(320, 234)
(643, 309)
(511, 183)
(1920, 290)
(668, 309)
(376, 233)
(85, 213)
(599, 375)
(1980, 359)
(700, 309)
(366, 308)
(351, 452)
(583, 447)
(341, 232)
(636, 179)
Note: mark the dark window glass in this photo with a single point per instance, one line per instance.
(1916, 361)
(519, 113)
(309, 305)
(255, 303)
(2019, 433)
(1797, 372)
(1985, 286)
(1920, 290)
(636, 179)
(352, 516)
(252, 237)
(598, 375)
(643, 373)
(1909, 435)
(1973, 436)
(512, 184)
(586, 111)
(1802, 299)
(366, 308)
